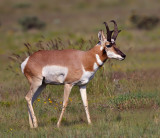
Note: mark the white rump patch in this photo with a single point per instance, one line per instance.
(24, 64)
(111, 54)
(54, 74)
(99, 60)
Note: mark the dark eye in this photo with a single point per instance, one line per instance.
(108, 45)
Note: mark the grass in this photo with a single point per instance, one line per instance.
(123, 96)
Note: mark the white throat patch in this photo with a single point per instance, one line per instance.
(95, 67)
(99, 60)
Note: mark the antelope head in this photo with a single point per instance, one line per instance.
(109, 43)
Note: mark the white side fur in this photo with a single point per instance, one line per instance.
(54, 74)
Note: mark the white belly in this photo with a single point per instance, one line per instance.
(54, 74)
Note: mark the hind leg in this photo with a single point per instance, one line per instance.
(35, 90)
(67, 90)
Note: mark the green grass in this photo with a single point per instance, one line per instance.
(123, 96)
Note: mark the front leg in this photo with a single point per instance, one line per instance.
(85, 102)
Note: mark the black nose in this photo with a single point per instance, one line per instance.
(124, 56)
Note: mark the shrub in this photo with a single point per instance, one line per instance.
(31, 23)
(22, 5)
(144, 22)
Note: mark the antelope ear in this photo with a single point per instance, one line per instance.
(101, 36)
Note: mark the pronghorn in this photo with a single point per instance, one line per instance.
(68, 67)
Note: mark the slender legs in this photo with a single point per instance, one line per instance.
(36, 89)
(31, 96)
(67, 90)
(85, 102)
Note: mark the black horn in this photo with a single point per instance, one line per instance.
(116, 31)
(109, 33)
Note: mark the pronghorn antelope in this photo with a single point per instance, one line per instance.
(68, 67)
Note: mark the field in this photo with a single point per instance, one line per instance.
(124, 96)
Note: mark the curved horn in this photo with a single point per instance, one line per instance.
(109, 33)
(115, 34)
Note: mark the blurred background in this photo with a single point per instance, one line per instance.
(123, 96)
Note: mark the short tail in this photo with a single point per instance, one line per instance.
(23, 65)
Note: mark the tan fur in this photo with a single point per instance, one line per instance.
(72, 59)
